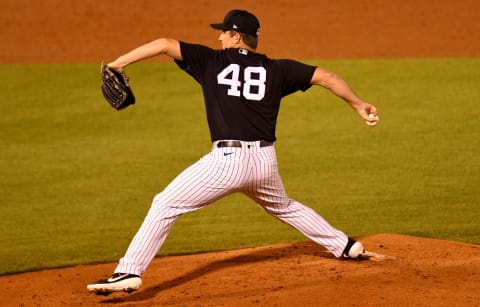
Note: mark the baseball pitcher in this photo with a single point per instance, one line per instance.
(242, 91)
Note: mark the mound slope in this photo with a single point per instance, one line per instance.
(424, 272)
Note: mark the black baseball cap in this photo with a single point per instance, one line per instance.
(240, 21)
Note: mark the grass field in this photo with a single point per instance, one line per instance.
(77, 177)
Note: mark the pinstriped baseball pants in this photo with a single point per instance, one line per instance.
(251, 170)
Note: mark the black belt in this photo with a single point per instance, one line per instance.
(239, 144)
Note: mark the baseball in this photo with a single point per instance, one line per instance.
(371, 115)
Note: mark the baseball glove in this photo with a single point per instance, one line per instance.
(115, 88)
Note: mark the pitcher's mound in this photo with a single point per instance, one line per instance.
(415, 271)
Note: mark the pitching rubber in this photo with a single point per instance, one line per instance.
(376, 257)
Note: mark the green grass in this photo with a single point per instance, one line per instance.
(77, 177)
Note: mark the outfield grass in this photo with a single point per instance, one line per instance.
(78, 177)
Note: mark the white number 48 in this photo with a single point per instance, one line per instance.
(253, 85)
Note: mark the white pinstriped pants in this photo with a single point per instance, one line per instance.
(251, 170)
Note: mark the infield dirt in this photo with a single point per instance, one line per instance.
(424, 272)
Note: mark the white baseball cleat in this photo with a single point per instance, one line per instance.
(356, 250)
(353, 250)
(116, 283)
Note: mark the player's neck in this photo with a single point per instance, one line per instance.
(244, 46)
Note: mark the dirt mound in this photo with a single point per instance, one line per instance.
(422, 272)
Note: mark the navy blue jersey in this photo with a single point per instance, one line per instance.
(242, 89)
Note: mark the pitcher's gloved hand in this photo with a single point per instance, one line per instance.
(115, 88)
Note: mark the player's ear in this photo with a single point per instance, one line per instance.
(237, 37)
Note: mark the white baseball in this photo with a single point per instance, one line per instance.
(371, 115)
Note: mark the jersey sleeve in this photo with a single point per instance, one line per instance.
(296, 76)
(195, 59)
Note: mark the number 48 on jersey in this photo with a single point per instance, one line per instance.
(252, 87)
